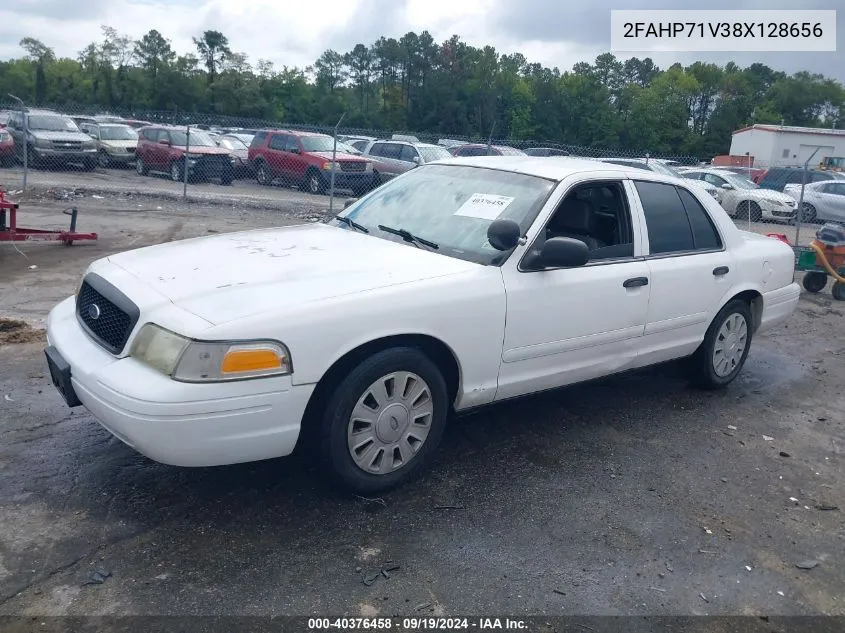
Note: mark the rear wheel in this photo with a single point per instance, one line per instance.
(103, 158)
(814, 281)
(725, 347)
(227, 177)
(140, 167)
(384, 420)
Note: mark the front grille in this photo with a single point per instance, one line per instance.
(67, 145)
(348, 165)
(106, 313)
(212, 167)
(130, 150)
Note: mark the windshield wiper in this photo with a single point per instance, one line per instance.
(408, 236)
(352, 223)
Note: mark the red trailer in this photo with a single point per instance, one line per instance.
(11, 232)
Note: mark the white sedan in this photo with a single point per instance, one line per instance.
(456, 285)
(823, 200)
(743, 199)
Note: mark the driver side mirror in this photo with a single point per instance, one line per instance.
(294, 150)
(163, 141)
(559, 252)
(416, 160)
(503, 235)
(727, 186)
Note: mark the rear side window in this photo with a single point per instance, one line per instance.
(258, 139)
(669, 229)
(408, 153)
(704, 234)
(277, 141)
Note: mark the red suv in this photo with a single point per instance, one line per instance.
(162, 148)
(305, 159)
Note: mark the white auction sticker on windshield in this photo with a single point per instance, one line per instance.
(486, 206)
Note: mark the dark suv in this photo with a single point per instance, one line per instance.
(305, 159)
(778, 177)
(163, 148)
(51, 139)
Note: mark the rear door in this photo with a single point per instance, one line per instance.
(295, 161)
(275, 155)
(690, 270)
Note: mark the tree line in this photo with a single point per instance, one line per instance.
(446, 88)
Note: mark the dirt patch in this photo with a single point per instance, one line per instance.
(17, 331)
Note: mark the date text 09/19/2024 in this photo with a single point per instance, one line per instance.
(415, 624)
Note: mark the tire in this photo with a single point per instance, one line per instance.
(748, 209)
(103, 159)
(262, 174)
(141, 167)
(809, 216)
(710, 372)
(814, 281)
(228, 177)
(177, 171)
(838, 291)
(401, 365)
(314, 183)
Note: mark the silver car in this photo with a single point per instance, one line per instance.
(823, 201)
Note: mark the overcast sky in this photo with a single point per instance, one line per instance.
(294, 33)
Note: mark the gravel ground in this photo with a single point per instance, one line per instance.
(632, 495)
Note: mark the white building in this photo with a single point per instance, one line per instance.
(786, 145)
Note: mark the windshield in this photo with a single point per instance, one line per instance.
(51, 123)
(663, 168)
(317, 143)
(231, 142)
(198, 138)
(835, 162)
(117, 133)
(431, 154)
(452, 205)
(739, 182)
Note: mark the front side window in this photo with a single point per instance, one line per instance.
(317, 143)
(452, 206)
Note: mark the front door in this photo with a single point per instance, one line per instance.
(689, 268)
(568, 325)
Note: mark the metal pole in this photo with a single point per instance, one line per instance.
(490, 138)
(800, 210)
(334, 164)
(187, 151)
(25, 139)
(748, 175)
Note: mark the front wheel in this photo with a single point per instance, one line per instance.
(809, 215)
(384, 421)
(722, 354)
(177, 171)
(103, 159)
(262, 174)
(838, 291)
(314, 183)
(140, 167)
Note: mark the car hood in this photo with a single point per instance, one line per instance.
(340, 156)
(226, 277)
(115, 144)
(59, 136)
(766, 194)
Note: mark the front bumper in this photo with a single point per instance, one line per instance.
(347, 180)
(171, 422)
(121, 157)
(772, 211)
(56, 157)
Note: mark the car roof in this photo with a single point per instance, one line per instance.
(556, 168)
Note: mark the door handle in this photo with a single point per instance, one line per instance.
(635, 282)
(721, 270)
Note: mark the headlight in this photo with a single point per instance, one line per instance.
(43, 142)
(368, 168)
(89, 145)
(777, 203)
(329, 166)
(187, 360)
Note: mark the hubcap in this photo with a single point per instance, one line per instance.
(390, 423)
(314, 184)
(730, 345)
(174, 172)
(139, 166)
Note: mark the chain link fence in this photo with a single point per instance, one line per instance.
(277, 165)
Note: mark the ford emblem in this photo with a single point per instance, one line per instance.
(94, 312)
